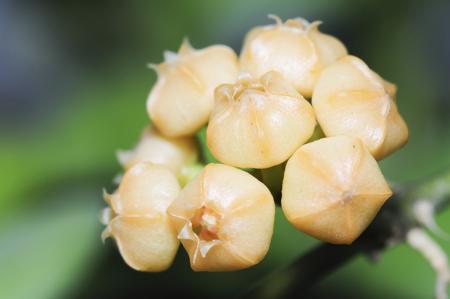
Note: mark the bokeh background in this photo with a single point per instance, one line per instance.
(73, 85)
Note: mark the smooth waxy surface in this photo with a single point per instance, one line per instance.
(181, 100)
(258, 123)
(332, 189)
(174, 153)
(350, 99)
(296, 49)
(138, 221)
(224, 219)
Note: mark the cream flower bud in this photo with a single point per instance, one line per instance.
(332, 189)
(181, 101)
(224, 218)
(296, 49)
(258, 123)
(139, 222)
(174, 153)
(350, 99)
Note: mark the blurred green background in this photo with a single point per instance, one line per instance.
(73, 85)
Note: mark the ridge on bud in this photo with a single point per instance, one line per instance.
(174, 153)
(224, 218)
(258, 123)
(333, 189)
(295, 48)
(350, 99)
(137, 217)
(181, 101)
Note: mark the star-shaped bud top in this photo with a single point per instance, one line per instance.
(258, 122)
(333, 188)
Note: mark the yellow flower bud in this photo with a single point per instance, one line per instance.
(333, 188)
(181, 101)
(138, 219)
(296, 49)
(174, 153)
(224, 219)
(350, 99)
(258, 123)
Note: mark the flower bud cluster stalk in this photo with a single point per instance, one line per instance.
(294, 106)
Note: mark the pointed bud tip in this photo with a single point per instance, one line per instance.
(186, 233)
(106, 196)
(314, 25)
(185, 47)
(154, 67)
(277, 19)
(205, 246)
(106, 233)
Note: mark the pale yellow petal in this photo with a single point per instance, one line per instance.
(175, 153)
(332, 189)
(295, 48)
(181, 100)
(350, 99)
(146, 188)
(259, 123)
(146, 244)
(224, 219)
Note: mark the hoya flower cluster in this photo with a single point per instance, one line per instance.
(293, 98)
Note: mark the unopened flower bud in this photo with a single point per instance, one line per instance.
(296, 49)
(258, 123)
(350, 99)
(138, 219)
(224, 219)
(181, 101)
(174, 153)
(333, 188)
